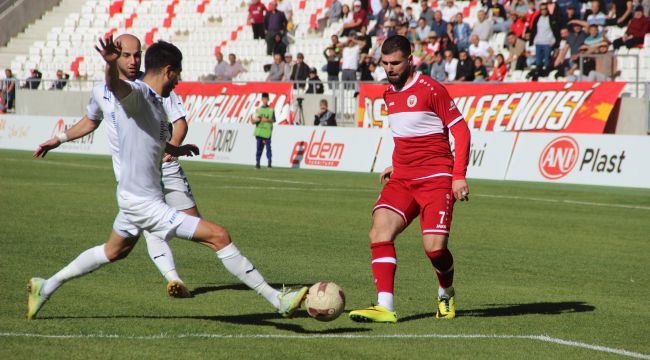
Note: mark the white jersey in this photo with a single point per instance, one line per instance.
(142, 133)
(102, 106)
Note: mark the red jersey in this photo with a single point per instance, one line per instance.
(420, 116)
(256, 12)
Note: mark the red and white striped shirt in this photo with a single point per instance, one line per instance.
(420, 116)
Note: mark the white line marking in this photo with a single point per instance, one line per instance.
(512, 197)
(164, 336)
(564, 201)
(284, 188)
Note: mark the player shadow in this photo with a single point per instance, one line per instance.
(238, 287)
(263, 319)
(496, 310)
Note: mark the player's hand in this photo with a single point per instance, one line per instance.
(43, 148)
(189, 150)
(168, 157)
(109, 49)
(385, 175)
(460, 189)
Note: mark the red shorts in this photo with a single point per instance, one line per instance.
(430, 198)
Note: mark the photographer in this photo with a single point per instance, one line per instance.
(324, 117)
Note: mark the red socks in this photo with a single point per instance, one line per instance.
(384, 264)
(443, 263)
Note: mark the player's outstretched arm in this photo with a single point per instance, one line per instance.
(111, 51)
(183, 150)
(82, 128)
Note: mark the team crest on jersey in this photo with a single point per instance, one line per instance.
(411, 101)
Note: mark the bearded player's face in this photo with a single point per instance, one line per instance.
(397, 67)
(131, 57)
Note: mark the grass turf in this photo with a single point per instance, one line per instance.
(566, 261)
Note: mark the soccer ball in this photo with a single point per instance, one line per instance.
(325, 301)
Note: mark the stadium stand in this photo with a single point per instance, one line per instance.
(64, 37)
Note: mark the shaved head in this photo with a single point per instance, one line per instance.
(131, 57)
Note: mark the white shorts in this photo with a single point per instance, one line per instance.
(176, 188)
(155, 217)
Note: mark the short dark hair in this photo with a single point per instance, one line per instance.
(162, 54)
(265, 95)
(323, 101)
(396, 43)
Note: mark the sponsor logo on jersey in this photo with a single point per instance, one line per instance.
(219, 141)
(559, 157)
(411, 101)
(317, 152)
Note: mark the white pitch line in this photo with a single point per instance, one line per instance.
(284, 188)
(543, 338)
(564, 201)
(254, 178)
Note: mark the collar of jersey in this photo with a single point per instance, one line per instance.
(151, 91)
(416, 76)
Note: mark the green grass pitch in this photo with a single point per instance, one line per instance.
(568, 262)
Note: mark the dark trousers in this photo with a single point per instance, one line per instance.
(270, 41)
(260, 147)
(259, 32)
(631, 43)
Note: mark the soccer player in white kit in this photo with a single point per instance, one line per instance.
(142, 139)
(176, 188)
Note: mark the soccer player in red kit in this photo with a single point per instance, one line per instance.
(425, 179)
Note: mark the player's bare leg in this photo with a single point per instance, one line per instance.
(386, 225)
(218, 239)
(435, 246)
(117, 247)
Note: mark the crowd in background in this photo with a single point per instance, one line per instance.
(541, 37)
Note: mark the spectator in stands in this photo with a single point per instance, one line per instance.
(324, 117)
(516, 52)
(276, 72)
(465, 69)
(334, 12)
(378, 73)
(409, 18)
(426, 12)
(606, 67)
(576, 39)
(450, 10)
(572, 14)
(279, 47)
(220, 68)
(299, 71)
(482, 26)
(447, 44)
(8, 89)
(256, 12)
(622, 13)
(479, 48)
(498, 16)
(389, 29)
(462, 33)
(346, 15)
(594, 38)
(438, 24)
(544, 34)
(263, 119)
(381, 17)
(480, 71)
(288, 66)
(61, 80)
(422, 30)
(233, 68)
(564, 6)
(362, 35)
(563, 59)
(594, 15)
(518, 24)
(432, 45)
(499, 71)
(451, 66)
(585, 62)
(359, 19)
(365, 73)
(34, 80)
(314, 83)
(636, 30)
(437, 69)
(520, 8)
(530, 50)
(333, 66)
(286, 8)
(350, 61)
(275, 22)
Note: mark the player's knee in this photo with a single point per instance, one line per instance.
(118, 253)
(379, 234)
(219, 237)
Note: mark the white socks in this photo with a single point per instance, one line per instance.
(162, 256)
(385, 299)
(86, 262)
(448, 292)
(245, 271)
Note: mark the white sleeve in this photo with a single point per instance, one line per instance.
(93, 110)
(174, 107)
(132, 101)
